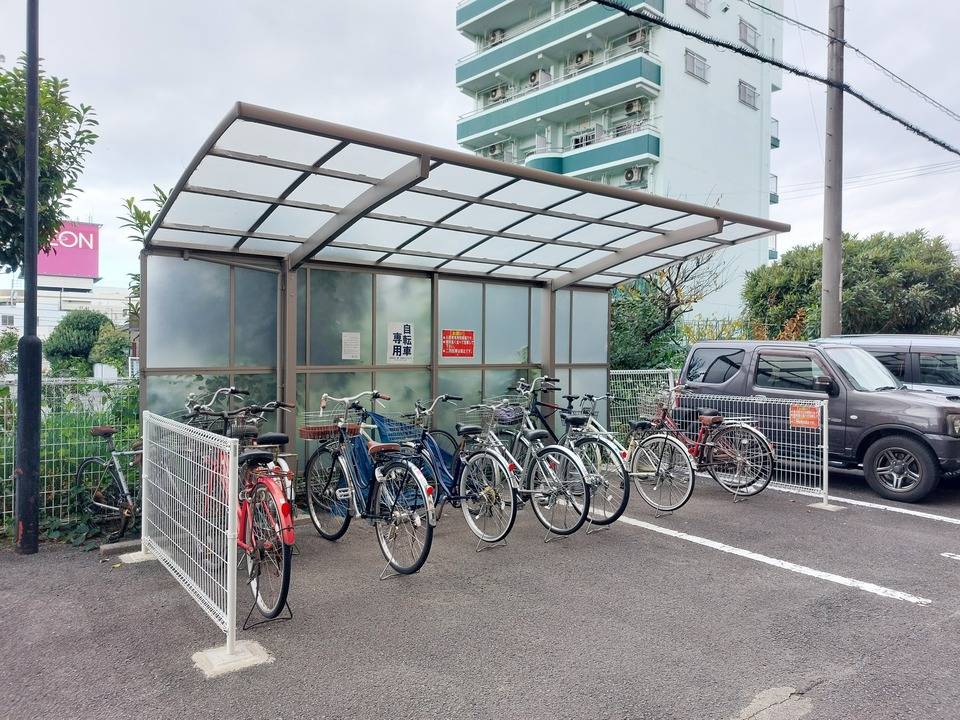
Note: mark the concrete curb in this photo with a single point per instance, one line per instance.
(119, 548)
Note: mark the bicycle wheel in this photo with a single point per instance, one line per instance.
(487, 497)
(329, 510)
(559, 493)
(268, 563)
(447, 444)
(663, 472)
(401, 518)
(608, 477)
(101, 497)
(739, 459)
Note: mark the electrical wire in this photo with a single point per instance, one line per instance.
(871, 61)
(813, 109)
(816, 192)
(876, 175)
(793, 69)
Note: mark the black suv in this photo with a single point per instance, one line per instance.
(905, 439)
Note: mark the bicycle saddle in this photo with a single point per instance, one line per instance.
(707, 412)
(272, 438)
(571, 398)
(532, 435)
(576, 420)
(464, 430)
(254, 457)
(640, 425)
(103, 430)
(376, 447)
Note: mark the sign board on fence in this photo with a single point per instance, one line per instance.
(399, 342)
(457, 343)
(74, 252)
(350, 346)
(804, 416)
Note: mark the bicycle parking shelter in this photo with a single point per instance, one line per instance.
(296, 257)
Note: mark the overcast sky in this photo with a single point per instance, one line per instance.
(161, 75)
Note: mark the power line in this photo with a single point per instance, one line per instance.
(875, 63)
(793, 69)
(813, 110)
(879, 173)
(816, 192)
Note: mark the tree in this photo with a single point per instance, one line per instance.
(112, 347)
(645, 313)
(907, 283)
(8, 351)
(66, 139)
(138, 220)
(69, 345)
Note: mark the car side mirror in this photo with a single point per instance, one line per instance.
(826, 385)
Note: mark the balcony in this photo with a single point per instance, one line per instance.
(612, 75)
(519, 49)
(479, 17)
(774, 133)
(774, 197)
(623, 144)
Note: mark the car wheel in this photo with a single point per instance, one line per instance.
(901, 468)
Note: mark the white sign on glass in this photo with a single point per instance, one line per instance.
(350, 346)
(399, 342)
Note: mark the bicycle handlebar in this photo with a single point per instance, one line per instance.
(373, 394)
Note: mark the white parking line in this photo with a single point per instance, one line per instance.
(873, 505)
(782, 564)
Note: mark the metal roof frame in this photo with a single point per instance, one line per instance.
(630, 224)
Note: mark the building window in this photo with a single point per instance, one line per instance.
(701, 6)
(696, 65)
(6, 320)
(749, 35)
(748, 95)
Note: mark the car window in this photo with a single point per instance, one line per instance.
(895, 362)
(714, 365)
(939, 369)
(787, 372)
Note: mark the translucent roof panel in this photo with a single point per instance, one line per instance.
(276, 184)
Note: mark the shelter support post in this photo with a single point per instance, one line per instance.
(287, 359)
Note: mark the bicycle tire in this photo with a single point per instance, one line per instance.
(492, 499)
(401, 503)
(329, 514)
(608, 476)
(97, 485)
(758, 457)
(654, 479)
(263, 507)
(566, 491)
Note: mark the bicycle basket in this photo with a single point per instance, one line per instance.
(508, 410)
(480, 415)
(396, 427)
(325, 424)
(204, 422)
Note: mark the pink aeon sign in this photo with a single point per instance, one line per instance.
(74, 252)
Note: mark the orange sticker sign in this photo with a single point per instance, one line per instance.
(804, 416)
(457, 343)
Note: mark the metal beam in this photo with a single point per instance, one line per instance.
(644, 247)
(410, 174)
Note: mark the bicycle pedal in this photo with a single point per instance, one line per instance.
(343, 493)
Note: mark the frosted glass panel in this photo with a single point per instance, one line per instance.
(246, 177)
(562, 349)
(589, 327)
(255, 324)
(461, 308)
(189, 322)
(593, 381)
(302, 282)
(257, 139)
(404, 300)
(499, 382)
(505, 321)
(167, 393)
(467, 384)
(404, 387)
(340, 302)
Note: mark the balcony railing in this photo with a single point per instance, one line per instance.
(601, 58)
(485, 44)
(774, 133)
(586, 138)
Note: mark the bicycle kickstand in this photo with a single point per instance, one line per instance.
(481, 545)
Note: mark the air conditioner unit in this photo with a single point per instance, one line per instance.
(633, 107)
(496, 36)
(582, 59)
(635, 176)
(497, 94)
(638, 37)
(494, 150)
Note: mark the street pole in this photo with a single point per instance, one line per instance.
(833, 180)
(27, 472)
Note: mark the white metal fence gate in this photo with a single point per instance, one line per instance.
(189, 501)
(797, 429)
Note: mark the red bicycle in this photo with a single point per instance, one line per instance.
(264, 513)
(664, 459)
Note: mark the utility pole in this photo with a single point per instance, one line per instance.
(833, 180)
(27, 472)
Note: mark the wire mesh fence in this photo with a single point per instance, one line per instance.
(189, 501)
(796, 429)
(69, 408)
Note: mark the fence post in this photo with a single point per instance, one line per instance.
(232, 509)
(825, 450)
(145, 463)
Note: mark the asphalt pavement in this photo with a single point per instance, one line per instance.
(763, 609)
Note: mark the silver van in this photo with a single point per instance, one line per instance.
(921, 362)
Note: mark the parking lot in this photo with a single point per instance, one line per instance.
(766, 609)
